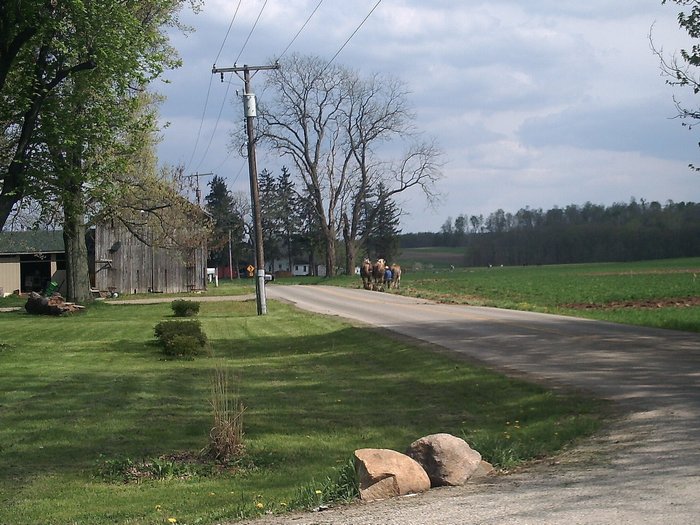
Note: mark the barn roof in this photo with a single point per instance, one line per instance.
(31, 242)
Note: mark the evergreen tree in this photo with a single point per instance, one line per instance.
(289, 214)
(383, 228)
(228, 224)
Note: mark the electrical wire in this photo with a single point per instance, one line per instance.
(251, 32)
(228, 31)
(353, 34)
(216, 124)
(201, 123)
(206, 99)
(300, 30)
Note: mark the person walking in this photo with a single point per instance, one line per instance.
(387, 277)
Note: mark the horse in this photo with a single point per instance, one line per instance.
(366, 274)
(378, 273)
(396, 276)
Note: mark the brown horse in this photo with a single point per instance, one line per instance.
(396, 276)
(378, 273)
(366, 274)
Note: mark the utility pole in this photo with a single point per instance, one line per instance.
(198, 193)
(250, 114)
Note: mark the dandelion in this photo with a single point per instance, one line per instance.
(172, 520)
(259, 505)
(319, 491)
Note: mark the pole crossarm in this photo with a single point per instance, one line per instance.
(197, 190)
(241, 69)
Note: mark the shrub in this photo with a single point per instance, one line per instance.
(181, 338)
(184, 308)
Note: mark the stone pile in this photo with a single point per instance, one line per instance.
(432, 461)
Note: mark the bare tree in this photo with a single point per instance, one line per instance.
(303, 121)
(332, 123)
(680, 69)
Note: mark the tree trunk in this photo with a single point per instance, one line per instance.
(77, 271)
(350, 248)
(330, 254)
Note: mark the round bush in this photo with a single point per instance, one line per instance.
(184, 308)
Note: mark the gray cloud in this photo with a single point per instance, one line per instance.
(541, 103)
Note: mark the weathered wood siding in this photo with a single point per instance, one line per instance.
(136, 267)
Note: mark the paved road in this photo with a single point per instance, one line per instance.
(645, 469)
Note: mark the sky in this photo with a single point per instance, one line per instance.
(534, 104)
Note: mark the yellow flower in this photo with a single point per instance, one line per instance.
(319, 491)
(259, 505)
(172, 520)
(158, 507)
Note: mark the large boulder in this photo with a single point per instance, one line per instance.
(447, 459)
(386, 474)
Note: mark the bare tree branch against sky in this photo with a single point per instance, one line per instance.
(539, 103)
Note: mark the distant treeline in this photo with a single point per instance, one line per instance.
(590, 233)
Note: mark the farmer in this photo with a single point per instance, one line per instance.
(387, 277)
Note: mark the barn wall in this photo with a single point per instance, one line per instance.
(9, 274)
(136, 267)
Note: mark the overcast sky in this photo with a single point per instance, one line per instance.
(541, 103)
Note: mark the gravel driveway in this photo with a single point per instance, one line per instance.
(644, 469)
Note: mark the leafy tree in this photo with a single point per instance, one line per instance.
(71, 101)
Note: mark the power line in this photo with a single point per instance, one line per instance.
(216, 124)
(251, 32)
(300, 30)
(206, 100)
(228, 31)
(353, 33)
(221, 108)
(201, 123)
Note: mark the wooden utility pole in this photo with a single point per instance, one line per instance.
(250, 114)
(198, 193)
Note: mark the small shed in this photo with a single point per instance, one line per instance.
(126, 264)
(30, 260)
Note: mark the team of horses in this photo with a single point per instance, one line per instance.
(373, 275)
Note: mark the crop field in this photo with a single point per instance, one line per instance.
(662, 294)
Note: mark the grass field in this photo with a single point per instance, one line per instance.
(83, 396)
(662, 294)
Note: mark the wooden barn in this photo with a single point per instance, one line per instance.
(126, 265)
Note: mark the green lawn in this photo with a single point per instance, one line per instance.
(81, 393)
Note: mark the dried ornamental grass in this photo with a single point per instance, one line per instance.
(226, 435)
